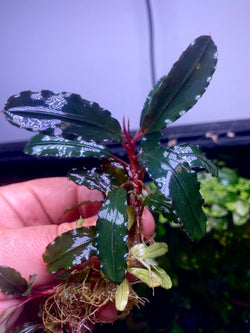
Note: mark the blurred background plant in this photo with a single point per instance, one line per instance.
(227, 199)
(210, 278)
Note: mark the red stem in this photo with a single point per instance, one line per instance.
(135, 174)
(117, 159)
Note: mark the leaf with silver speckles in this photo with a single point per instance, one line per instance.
(104, 179)
(93, 179)
(177, 92)
(195, 158)
(159, 203)
(65, 115)
(70, 249)
(176, 181)
(44, 145)
(112, 235)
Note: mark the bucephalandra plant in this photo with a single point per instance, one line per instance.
(99, 265)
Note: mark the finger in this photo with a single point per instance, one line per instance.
(43, 201)
(26, 246)
(148, 223)
(22, 248)
(107, 313)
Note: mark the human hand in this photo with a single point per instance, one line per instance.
(30, 220)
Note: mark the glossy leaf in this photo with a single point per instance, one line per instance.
(104, 179)
(44, 145)
(93, 179)
(66, 115)
(121, 295)
(176, 93)
(193, 155)
(147, 105)
(195, 158)
(115, 170)
(175, 179)
(112, 235)
(11, 281)
(149, 277)
(158, 203)
(70, 249)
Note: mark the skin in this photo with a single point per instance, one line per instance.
(30, 220)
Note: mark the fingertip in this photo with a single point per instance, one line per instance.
(148, 223)
(107, 313)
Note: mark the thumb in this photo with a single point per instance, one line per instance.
(22, 248)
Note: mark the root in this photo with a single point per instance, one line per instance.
(75, 303)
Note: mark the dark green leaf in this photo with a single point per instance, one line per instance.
(178, 182)
(151, 141)
(44, 145)
(104, 179)
(176, 93)
(150, 96)
(158, 203)
(194, 157)
(93, 179)
(112, 235)
(115, 170)
(11, 281)
(66, 115)
(70, 249)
